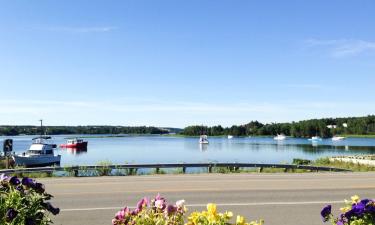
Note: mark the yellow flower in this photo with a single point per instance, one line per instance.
(240, 220)
(345, 209)
(355, 199)
(229, 214)
(211, 208)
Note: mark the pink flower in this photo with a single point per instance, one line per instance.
(142, 203)
(160, 204)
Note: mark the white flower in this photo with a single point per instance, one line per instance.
(180, 204)
(3, 177)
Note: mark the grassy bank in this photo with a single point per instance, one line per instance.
(356, 167)
(358, 135)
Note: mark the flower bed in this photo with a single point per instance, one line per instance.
(355, 212)
(159, 212)
(24, 202)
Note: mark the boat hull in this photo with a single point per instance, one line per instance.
(30, 161)
(76, 145)
(338, 138)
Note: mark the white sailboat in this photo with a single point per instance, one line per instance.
(203, 139)
(280, 137)
(337, 138)
(315, 138)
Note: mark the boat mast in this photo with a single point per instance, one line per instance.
(41, 127)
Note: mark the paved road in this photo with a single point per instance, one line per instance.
(280, 199)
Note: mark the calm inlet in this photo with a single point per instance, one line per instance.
(167, 149)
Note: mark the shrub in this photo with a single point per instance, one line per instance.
(356, 212)
(158, 212)
(211, 217)
(155, 213)
(24, 202)
(301, 161)
(104, 169)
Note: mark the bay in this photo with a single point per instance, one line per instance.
(170, 149)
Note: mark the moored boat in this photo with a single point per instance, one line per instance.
(338, 138)
(75, 143)
(230, 136)
(280, 137)
(203, 139)
(315, 138)
(40, 153)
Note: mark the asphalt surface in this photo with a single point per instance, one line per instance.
(280, 199)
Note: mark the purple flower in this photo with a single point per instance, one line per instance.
(365, 201)
(14, 181)
(39, 187)
(170, 209)
(20, 189)
(50, 208)
(326, 212)
(370, 207)
(28, 182)
(340, 222)
(10, 215)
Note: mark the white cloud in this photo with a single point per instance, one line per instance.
(340, 48)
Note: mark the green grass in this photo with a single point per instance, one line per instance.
(359, 135)
(356, 167)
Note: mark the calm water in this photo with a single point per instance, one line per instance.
(164, 149)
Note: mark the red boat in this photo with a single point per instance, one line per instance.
(74, 143)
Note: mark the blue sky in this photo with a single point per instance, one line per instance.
(178, 63)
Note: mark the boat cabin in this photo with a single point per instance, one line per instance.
(40, 147)
(74, 141)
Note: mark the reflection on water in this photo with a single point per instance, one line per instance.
(165, 149)
(76, 151)
(203, 147)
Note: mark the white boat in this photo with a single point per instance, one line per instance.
(40, 153)
(315, 138)
(338, 138)
(280, 137)
(230, 136)
(203, 139)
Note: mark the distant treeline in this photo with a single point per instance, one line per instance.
(55, 130)
(307, 128)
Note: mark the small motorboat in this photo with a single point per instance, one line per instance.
(338, 138)
(315, 138)
(75, 143)
(280, 137)
(230, 136)
(203, 139)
